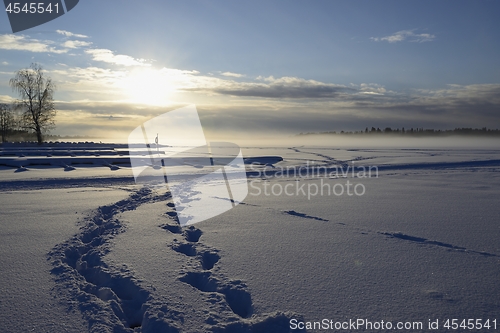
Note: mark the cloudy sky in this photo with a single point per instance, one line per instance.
(273, 66)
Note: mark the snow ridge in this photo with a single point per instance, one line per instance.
(400, 235)
(305, 216)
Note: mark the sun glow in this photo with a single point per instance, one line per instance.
(148, 86)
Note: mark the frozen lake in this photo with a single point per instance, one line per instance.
(84, 248)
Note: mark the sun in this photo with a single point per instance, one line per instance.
(147, 86)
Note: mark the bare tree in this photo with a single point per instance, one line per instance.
(6, 121)
(36, 102)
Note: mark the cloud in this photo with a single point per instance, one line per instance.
(283, 104)
(456, 106)
(405, 35)
(178, 72)
(285, 87)
(231, 74)
(94, 78)
(70, 34)
(23, 43)
(453, 106)
(88, 72)
(106, 55)
(7, 99)
(372, 88)
(90, 82)
(74, 44)
(474, 100)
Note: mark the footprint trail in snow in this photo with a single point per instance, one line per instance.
(112, 299)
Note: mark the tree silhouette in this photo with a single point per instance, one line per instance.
(36, 102)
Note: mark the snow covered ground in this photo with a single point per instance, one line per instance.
(411, 235)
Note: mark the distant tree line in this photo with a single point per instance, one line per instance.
(416, 132)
